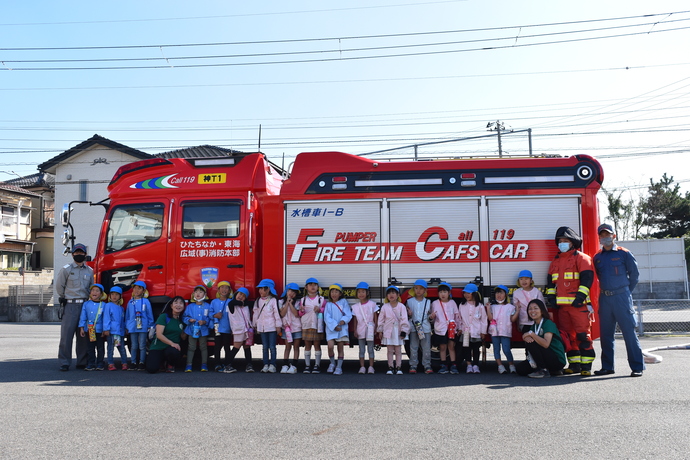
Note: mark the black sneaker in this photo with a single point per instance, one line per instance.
(64, 368)
(132, 367)
(604, 372)
(141, 367)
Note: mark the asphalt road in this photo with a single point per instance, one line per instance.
(47, 413)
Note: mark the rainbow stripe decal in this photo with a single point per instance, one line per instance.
(155, 183)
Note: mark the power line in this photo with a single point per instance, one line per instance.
(345, 58)
(363, 80)
(347, 37)
(323, 51)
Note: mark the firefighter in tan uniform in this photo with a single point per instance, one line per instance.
(570, 278)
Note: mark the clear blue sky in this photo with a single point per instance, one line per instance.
(621, 99)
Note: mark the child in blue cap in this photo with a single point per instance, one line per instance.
(292, 327)
(267, 322)
(196, 317)
(114, 328)
(474, 325)
(311, 311)
(91, 324)
(138, 320)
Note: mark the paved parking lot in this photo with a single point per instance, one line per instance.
(47, 413)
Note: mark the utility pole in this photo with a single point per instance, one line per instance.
(497, 126)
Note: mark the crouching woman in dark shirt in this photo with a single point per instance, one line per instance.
(169, 334)
(543, 343)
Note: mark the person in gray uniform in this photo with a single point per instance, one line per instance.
(72, 284)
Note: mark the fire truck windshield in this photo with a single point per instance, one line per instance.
(133, 225)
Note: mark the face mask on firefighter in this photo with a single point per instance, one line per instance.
(79, 258)
(606, 240)
(564, 247)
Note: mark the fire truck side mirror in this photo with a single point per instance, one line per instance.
(64, 218)
(65, 238)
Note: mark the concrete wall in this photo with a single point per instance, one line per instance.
(13, 278)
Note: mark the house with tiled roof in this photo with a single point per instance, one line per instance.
(82, 174)
(42, 216)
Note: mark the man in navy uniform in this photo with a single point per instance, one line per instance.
(617, 271)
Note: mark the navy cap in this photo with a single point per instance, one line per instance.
(605, 227)
(79, 247)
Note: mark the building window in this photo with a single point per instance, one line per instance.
(82, 190)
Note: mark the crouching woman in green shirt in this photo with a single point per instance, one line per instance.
(169, 334)
(543, 343)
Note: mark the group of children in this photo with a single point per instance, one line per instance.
(305, 316)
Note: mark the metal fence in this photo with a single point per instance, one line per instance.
(667, 316)
(30, 295)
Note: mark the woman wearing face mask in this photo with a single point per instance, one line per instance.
(569, 280)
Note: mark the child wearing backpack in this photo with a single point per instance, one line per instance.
(502, 315)
(311, 312)
(364, 314)
(337, 316)
(92, 319)
(418, 310)
(138, 320)
(114, 329)
(196, 318)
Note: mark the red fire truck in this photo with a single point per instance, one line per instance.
(177, 223)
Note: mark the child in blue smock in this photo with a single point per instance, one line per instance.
(91, 325)
(114, 329)
(337, 317)
(219, 313)
(196, 317)
(138, 320)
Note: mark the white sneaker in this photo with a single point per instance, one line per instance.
(284, 369)
(291, 370)
(331, 368)
(399, 372)
(371, 370)
(469, 369)
(362, 370)
(501, 369)
(338, 371)
(390, 371)
(512, 369)
(265, 368)
(271, 369)
(475, 369)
